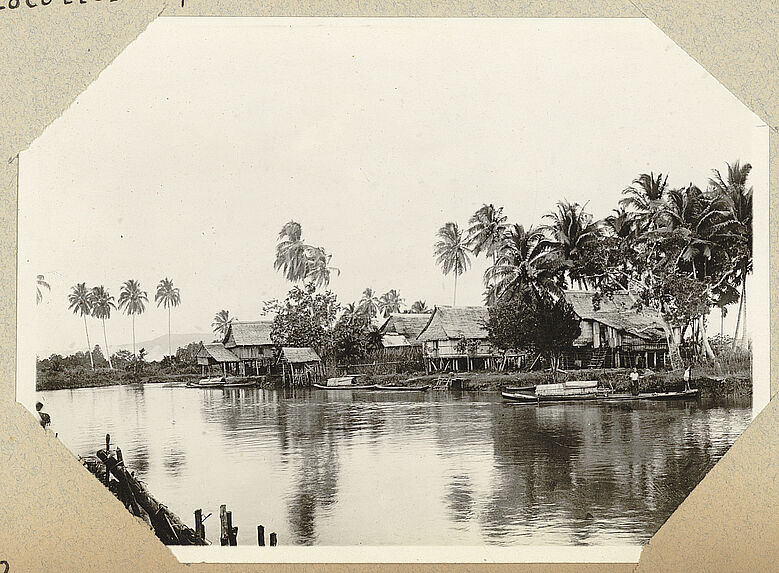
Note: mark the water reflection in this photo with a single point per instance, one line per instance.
(342, 468)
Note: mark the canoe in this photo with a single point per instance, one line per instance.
(242, 384)
(682, 395)
(350, 387)
(527, 398)
(403, 388)
(206, 383)
(514, 389)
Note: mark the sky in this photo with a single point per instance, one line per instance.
(191, 150)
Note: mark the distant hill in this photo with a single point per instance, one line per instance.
(156, 348)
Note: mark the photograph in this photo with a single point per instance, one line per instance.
(396, 282)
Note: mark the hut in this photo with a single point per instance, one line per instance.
(250, 342)
(409, 326)
(455, 338)
(615, 333)
(212, 356)
(300, 366)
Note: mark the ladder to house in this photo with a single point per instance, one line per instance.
(597, 358)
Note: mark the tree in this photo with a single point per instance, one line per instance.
(291, 253)
(80, 302)
(738, 200)
(390, 302)
(645, 195)
(222, 322)
(102, 305)
(305, 319)
(487, 230)
(133, 301)
(369, 303)
(169, 297)
(420, 307)
(549, 325)
(525, 261)
(318, 267)
(40, 282)
(100, 360)
(571, 230)
(452, 253)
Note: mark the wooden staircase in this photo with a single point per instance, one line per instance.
(598, 357)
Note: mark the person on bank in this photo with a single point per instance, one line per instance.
(687, 376)
(634, 382)
(43, 418)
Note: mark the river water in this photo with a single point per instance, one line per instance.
(323, 467)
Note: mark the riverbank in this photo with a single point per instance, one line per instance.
(100, 377)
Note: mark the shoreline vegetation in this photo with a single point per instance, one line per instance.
(677, 253)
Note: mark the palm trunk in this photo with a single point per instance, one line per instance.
(744, 335)
(705, 346)
(170, 352)
(454, 299)
(107, 351)
(89, 346)
(741, 306)
(133, 335)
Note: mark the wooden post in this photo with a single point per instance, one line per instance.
(260, 536)
(119, 455)
(224, 538)
(108, 453)
(273, 540)
(199, 523)
(232, 532)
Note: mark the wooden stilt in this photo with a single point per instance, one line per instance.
(273, 540)
(224, 538)
(260, 536)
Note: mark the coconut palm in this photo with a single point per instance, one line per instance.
(486, 231)
(389, 302)
(526, 262)
(738, 200)
(419, 307)
(168, 296)
(40, 282)
(132, 300)
(291, 256)
(570, 230)
(102, 304)
(318, 267)
(80, 302)
(369, 303)
(646, 194)
(452, 253)
(222, 322)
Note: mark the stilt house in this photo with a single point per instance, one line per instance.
(300, 366)
(216, 359)
(252, 345)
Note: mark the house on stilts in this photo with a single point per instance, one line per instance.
(615, 333)
(216, 360)
(300, 366)
(250, 342)
(455, 339)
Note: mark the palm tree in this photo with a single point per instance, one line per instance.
(452, 253)
(526, 262)
(132, 300)
(419, 307)
(40, 282)
(168, 296)
(318, 267)
(80, 302)
(738, 200)
(222, 322)
(571, 230)
(487, 230)
(646, 193)
(291, 256)
(390, 302)
(369, 303)
(102, 304)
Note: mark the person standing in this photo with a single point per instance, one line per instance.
(634, 382)
(687, 376)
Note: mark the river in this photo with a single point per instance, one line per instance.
(437, 468)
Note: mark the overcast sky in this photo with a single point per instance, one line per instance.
(189, 152)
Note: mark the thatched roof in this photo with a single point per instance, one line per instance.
(455, 322)
(216, 352)
(394, 341)
(618, 311)
(298, 355)
(409, 325)
(254, 333)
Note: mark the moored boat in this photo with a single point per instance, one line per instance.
(347, 382)
(528, 398)
(404, 388)
(687, 394)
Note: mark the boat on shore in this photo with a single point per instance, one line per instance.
(222, 382)
(348, 382)
(687, 394)
(601, 395)
(404, 388)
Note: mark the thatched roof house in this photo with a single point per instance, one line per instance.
(300, 366)
(409, 326)
(615, 320)
(250, 341)
(455, 337)
(216, 355)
